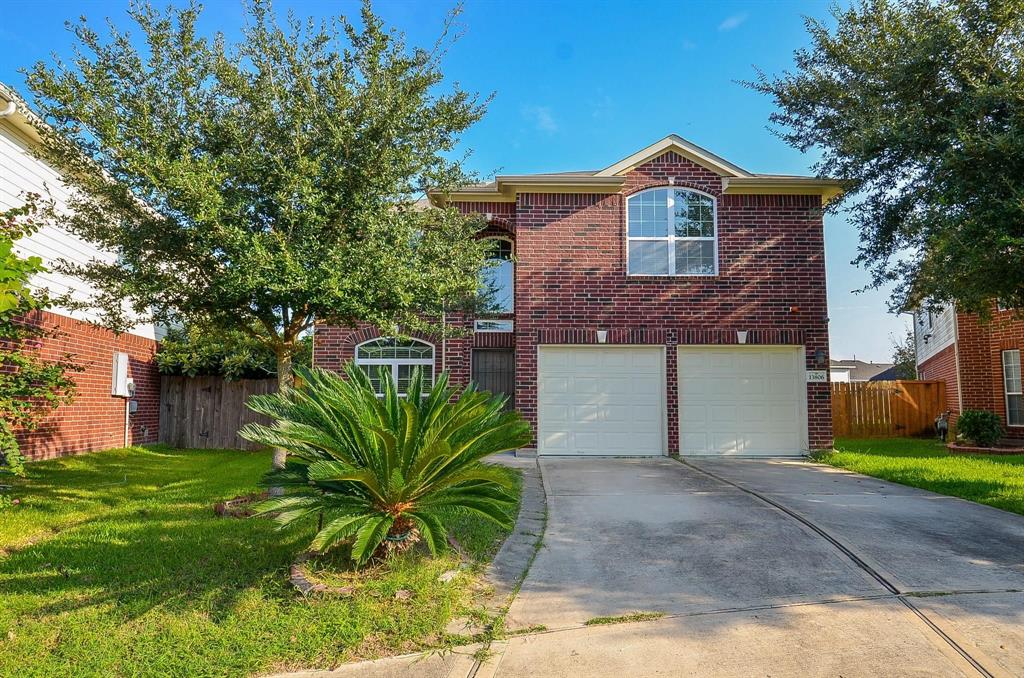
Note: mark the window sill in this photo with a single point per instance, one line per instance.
(644, 277)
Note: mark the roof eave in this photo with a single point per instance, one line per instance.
(22, 118)
(828, 189)
(505, 188)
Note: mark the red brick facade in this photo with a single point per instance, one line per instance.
(942, 367)
(570, 281)
(980, 346)
(96, 420)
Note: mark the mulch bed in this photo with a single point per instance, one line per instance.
(999, 448)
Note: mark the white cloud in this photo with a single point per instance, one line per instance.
(733, 22)
(541, 118)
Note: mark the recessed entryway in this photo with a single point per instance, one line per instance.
(494, 370)
(601, 400)
(742, 400)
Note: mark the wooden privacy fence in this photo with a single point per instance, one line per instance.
(886, 408)
(208, 411)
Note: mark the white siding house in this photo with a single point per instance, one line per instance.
(21, 173)
(933, 331)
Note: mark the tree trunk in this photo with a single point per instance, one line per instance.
(285, 379)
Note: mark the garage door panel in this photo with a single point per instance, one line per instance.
(747, 400)
(602, 400)
(692, 414)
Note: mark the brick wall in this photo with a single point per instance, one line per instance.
(571, 281)
(95, 420)
(981, 367)
(942, 367)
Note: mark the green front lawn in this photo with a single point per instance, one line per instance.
(996, 480)
(115, 565)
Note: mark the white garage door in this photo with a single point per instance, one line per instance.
(740, 400)
(601, 400)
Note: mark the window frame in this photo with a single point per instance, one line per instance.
(1006, 388)
(394, 363)
(505, 325)
(512, 262)
(671, 238)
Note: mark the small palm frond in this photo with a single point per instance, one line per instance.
(337, 530)
(435, 534)
(371, 533)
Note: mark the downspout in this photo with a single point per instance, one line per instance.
(956, 357)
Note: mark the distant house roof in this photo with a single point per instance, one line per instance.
(860, 370)
(891, 374)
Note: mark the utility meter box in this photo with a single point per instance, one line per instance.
(120, 383)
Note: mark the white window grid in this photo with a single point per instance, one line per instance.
(671, 238)
(1012, 384)
(372, 365)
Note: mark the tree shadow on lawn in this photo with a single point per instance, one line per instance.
(178, 557)
(142, 532)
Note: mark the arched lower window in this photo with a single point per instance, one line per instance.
(497, 279)
(671, 231)
(400, 356)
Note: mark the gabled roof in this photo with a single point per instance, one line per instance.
(735, 179)
(688, 150)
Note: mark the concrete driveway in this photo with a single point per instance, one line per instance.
(764, 568)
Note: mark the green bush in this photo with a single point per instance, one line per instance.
(979, 427)
(385, 471)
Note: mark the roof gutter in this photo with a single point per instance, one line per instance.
(505, 188)
(828, 189)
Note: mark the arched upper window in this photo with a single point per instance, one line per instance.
(671, 231)
(400, 356)
(497, 279)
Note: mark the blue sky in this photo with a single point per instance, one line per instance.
(579, 85)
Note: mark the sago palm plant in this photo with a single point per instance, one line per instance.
(385, 471)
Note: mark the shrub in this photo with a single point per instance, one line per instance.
(979, 427)
(385, 471)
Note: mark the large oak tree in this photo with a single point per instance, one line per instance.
(920, 105)
(264, 185)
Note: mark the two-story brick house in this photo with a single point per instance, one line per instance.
(671, 302)
(980, 362)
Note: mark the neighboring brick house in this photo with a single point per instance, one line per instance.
(980, 362)
(96, 419)
(672, 302)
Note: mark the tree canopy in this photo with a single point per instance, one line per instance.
(231, 354)
(920, 106)
(264, 185)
